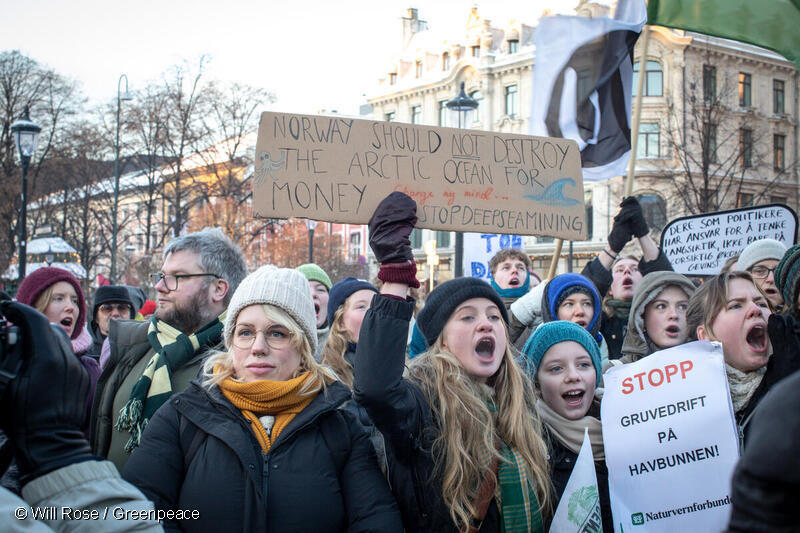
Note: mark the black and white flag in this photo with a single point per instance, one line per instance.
(582, 85)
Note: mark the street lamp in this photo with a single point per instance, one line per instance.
(462, 106)
(121, 96)
(311, 225)
(26, 137)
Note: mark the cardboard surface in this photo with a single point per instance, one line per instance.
(338, 169)
(700, 245)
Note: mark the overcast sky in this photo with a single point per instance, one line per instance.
(314, 55)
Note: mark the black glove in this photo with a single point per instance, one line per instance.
(390, 226)
(632, 212)
(619, 236)
(784, 334)
(45, 406)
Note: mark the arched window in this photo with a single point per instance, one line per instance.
(445, 61)
(655, 210)
(653, 81)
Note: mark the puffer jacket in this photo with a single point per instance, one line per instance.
(637, 344)
(398, 408)
(199, 452)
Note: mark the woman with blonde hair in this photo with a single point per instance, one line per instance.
(461, 429)
(259, 442)
(349, 300)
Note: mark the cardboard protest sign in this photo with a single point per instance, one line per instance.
(700, 245)
(670, 440)
(579, 508)
(338, 169)
(479, 248)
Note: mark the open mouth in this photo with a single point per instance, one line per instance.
(485, 349)
(672, 330)
(316, 308)
(757, 338)
(67, 322)
(771, 291)
(627, 283)
(574, 398)
(513, 282)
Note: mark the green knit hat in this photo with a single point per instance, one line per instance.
(787, 275)
(313, 272)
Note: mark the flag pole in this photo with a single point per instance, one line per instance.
(637, 111)
(554, 262)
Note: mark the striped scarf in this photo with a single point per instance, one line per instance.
(515, 495)
(173, 349)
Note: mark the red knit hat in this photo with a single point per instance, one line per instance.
(148, 308)
(40, 279)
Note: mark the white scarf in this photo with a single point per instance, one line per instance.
(743, 385)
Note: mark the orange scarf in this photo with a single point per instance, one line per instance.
(258, 398)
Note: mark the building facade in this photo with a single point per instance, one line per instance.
(718, 122)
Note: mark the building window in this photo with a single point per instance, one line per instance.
(744, 199)
(416, 114)
(416, 238)
(418, 69)
(648, 140)
(476, 50)
(655, 210)
(512, 101)
(745, 90)
(389, 116)
(513, 46)
(653, 80)
(478, 97)
(355, 246)
(443, 113)
(779, 151)
(392, 78)
(443, 239)
(777, 200)
(710, 143)
(746, 148)
(709, 83)
(445, 61)
(777, 97)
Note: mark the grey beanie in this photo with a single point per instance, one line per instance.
(758, 251)
(284, 288)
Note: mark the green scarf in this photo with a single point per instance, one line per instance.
(514, 494)
(173, 350)
(620, 308)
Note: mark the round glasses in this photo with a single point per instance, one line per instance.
(277, 337)
(761, 272)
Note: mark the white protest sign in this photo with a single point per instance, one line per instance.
(479, 248)
(579, 508)
(670, 441)
(700, 245)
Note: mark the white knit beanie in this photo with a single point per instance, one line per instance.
(758, 251)
(286, 289)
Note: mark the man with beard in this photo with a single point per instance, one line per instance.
(152, 360)
(616, 276)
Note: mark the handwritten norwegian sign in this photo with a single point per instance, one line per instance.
(700, 245)
(338, 169)
(670, 440)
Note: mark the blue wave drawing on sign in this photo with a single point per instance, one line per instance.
(554, 194)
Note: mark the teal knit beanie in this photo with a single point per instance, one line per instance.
(787, 276)
(551, 333)
(313, 272)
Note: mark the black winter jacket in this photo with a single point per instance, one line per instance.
(614, 328)
(399, 410)
(199, 452)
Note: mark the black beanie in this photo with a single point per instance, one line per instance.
(444, 299)
(112, 293)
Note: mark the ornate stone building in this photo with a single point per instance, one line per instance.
(718, 125)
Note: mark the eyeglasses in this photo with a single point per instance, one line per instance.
(171, 280)
(120, 308)
(761, 272)
(277, 337)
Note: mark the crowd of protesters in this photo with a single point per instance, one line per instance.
(279, 400)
